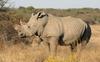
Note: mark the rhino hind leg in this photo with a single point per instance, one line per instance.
(73, 46)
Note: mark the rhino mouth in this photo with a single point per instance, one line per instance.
(22, 36)
(26, 36)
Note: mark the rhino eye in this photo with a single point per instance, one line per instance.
(28, 26)
(19, 31)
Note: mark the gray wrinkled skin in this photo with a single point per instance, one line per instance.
(53, 29)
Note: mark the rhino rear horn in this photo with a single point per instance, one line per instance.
(16, 27)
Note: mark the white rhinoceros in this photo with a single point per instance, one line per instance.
(53, 29)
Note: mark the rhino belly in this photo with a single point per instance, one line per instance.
(69, 38)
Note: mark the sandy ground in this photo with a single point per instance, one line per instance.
(23, 53)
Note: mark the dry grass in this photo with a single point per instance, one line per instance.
(23, 53)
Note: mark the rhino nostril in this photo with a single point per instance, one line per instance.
(21, 34)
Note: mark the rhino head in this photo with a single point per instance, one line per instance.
(35, 25)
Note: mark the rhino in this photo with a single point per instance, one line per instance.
(56, 30)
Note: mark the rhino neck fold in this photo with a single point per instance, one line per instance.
(41, 29)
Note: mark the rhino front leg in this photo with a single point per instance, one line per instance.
(53, 41)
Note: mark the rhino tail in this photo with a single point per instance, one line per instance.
(86, 35)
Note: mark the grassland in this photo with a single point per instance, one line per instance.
(26, 53)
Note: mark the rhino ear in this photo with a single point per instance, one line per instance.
(38, 14)
(22, 23)
(32, 14)
(41, 15)
(16, 27)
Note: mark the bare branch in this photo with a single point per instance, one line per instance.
(3, 3)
